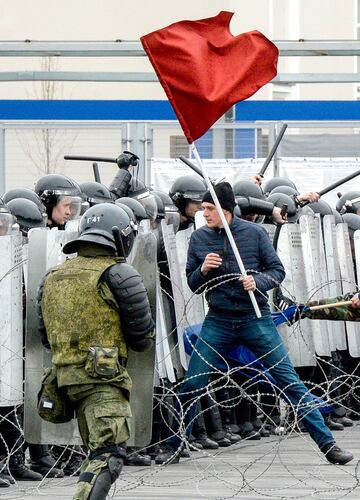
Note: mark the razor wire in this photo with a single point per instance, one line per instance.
(207, 466)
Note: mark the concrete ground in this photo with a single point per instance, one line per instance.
(285, 467)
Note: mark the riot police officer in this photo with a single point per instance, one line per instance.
(186, 193)
(89, 344)
(62, 198)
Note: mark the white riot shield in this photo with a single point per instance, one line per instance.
(141, 365)
(177, 288)
(311, 241)
(299, 339)
(348, 284)
(336, 329)
(45, 252)
(357, 256)
(11, 323)
(194, 306)
(163, 353)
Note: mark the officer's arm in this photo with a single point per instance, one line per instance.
(249, 205)
(129, 292)
(41, 324)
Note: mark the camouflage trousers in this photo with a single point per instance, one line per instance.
(102, 411)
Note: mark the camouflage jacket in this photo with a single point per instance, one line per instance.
(342, 313)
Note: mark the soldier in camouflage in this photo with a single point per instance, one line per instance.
(104, 310)
(347, 312)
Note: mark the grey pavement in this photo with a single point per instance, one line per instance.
(285, 467)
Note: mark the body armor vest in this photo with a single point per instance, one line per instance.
(75, 315)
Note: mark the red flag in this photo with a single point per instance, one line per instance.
(204, 69)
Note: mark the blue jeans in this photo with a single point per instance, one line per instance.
(217, 336)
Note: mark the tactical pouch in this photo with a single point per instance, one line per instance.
(102, 362)
(53, 404)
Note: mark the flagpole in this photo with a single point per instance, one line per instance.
(225, 224)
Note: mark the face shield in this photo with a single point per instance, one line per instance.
(7, 222)
(172, 216)
(148, 201)
(69, 206)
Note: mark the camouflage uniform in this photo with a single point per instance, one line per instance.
(341, 313)
(89, 351)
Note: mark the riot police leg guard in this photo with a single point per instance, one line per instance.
(100, 471)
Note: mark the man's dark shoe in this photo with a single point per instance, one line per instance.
(135, 458)
(335, 455)
(233, 438)
(221, 439)
(247, 431)
(168, 456)
(4, 475)
(5, 480)
(333, 426)
(345, 421)
(20, 471)
(45, 465)
(206, 442)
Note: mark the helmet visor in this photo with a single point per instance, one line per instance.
(149, 203)
(70, 206)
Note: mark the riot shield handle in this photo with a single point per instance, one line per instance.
(273, 150)
(96, 172)
(118, 242)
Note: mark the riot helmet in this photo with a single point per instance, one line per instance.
(138, 191)
(137, 208)
(277, 181)
(7, 220)
(186, 189)
(349, 203)
(353, 222)
(246, 189)
(61, 196)
(96, 227)
(321, 207)
(280, 199)
(306, 210)
(28, 214)
(290, 191)
(26, 193)
(338, 217)
(95, 192)
(172, 215)
(133, 221)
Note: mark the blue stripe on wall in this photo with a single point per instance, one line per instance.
(162, 110)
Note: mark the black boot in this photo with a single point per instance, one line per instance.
(20, 471)
(336, 455)
(135, 458)
(333, 426)
(45, 465)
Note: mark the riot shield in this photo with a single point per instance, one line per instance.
(336, 329)
(45, 252)
(310, 242)
(11, 323)
(177, 289)
(141, 365)
(348, 284)
(163, 352)
(299, 339)
(357, 255)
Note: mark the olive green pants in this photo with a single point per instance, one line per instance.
(102, 412)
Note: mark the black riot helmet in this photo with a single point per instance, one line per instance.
(349, 203)
(55, 188)
(26, 193)
(187, 188)
(133, 221)
(353, 222)
(138, 191)
(246, 189)
(321, 207)
(96, 227)
(277, 181)
(95, 192)
(280, 199)
(137, 208)
(290, 191)
(28, 214)
(160, 206)
(7, 220)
